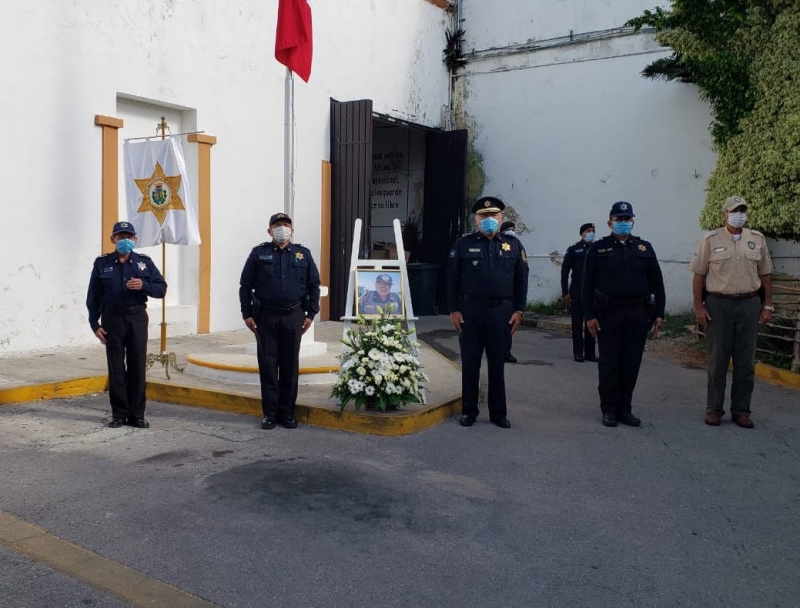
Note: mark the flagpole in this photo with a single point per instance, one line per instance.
(288, 145)
(166, 359)
(163, 126)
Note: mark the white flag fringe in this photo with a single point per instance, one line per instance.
(159, 200)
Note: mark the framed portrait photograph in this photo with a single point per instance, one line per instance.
(379, 288)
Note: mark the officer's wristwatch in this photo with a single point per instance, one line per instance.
(770, 308)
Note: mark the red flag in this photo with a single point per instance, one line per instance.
(293, 46)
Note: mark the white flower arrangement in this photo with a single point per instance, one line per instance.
(380, 364)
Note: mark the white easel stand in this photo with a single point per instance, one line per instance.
(399, 264)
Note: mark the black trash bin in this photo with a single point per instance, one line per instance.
(422, 282)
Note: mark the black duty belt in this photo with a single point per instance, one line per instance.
(627, 302)
(280, 307)
(484, 301)
(733, 296)
(123, 310)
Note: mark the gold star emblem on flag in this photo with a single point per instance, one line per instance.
(506, 247)
(160, 193)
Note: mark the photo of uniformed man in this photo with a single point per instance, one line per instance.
(386, 291)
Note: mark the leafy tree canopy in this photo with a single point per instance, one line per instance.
(744, 56)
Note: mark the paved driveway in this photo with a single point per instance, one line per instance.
(558, 511)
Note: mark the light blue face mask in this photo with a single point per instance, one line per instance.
(489, 225)
(589, 237)
(622, 228)
(125, 246)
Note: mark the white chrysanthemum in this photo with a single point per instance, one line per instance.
(369, 390)
(361, 371)
(374, 354)
(378, 378)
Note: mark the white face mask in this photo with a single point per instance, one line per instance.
(737, 220)
(589, 237)
(510, 233)
(281, 234)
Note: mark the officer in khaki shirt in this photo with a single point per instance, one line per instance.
(730, 266)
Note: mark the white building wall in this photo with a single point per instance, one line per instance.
(567, 129)
(503, 22)
(65, 62)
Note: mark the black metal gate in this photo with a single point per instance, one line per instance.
(351, 177)
(444, 209)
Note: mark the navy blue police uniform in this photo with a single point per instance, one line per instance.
(583, 346)
(623, 289)
(487, 281)
(122, 313)
(371, 301)
(279, 288)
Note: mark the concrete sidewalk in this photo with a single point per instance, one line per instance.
(82, 371)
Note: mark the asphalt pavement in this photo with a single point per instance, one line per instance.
(558, 511)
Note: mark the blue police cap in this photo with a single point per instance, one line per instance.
(621, 208)
(277, 217)
(488, 204)
(385, 278)
(123, 227)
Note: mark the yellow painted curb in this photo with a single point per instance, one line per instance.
(206, 398)
(127, 584)
(249, 369)
(54, 390)
(393, 424)
(780, 376)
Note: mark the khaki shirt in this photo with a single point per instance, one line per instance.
(732, 267)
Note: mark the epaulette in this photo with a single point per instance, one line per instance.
(761, 234)
(143, 255)
(301, 246)
(710, 233)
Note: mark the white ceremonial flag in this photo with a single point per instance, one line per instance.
(159, 202)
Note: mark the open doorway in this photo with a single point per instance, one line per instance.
(384, 168)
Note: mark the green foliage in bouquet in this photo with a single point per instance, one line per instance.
(380, 364)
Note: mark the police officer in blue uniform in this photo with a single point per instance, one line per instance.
(279, 297)
(487, 289)
(623, 297)
(120, 284)
(574, 258)
(381, 298)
